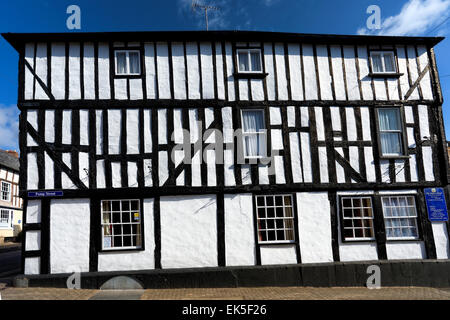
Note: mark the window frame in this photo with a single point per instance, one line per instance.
(9, 224)
(9, 191)
(404, 143)
(127, 50)
(341, 218)
(141, 226)
(384, 73)
(418, 224)
(249, 50)
(244, 134)
(294, 220)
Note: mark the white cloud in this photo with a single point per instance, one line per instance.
(9, 127)
(417, 17)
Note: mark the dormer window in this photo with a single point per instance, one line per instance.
(383, 62)
(249, 60)
(127, 62)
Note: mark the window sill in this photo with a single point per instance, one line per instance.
(385, 75)
(121, 250)
(127, 76)
(394, 157)
(250, 75)
(281, 243)
(403, 239)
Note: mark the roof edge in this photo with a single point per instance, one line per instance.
(18, 39)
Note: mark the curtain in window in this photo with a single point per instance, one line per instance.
(121, 62)
(256, 61)
(134, 62)
(388, 63)
(390, 131)
(255, 142)
(376, 63)
(243, 61)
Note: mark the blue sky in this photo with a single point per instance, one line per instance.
(407, 17)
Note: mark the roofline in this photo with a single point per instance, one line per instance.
(17, 40)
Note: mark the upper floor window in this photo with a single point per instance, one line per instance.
(254, 133)
(5, 191)
(121, 224)
(249, 60)
(127, 62)
(275, 218)
(400, 217)
(357, 218)
(383, 62)
(6, 217)
(391, 133)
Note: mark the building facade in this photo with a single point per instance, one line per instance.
(10, 202)
(339, 136)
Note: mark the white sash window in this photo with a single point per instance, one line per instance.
(400, 217)
(383, 62)
(128, 62)
(6, 219)
(249, 60)
(357, 218)
(254, 133)
(5, 191)
(121, 224)
(391, 131)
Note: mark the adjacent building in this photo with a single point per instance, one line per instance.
(10, 202)
(339, 137)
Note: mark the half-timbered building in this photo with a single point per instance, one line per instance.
(339, 137)
(10, 203)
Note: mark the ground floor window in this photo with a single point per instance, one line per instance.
(275, 215)
(121, 224)
(357, 217)
(6, 218)
(400, 217)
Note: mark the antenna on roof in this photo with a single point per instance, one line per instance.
(196, 5)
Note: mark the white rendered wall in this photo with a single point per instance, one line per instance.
(405, 250)
(134, 260)
(69, 235)
(188, 231)
(239, 230)
(279, 254)
(314, 227)
(441, 242)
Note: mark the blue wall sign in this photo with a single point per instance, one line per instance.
(33, 194)
(436, 206)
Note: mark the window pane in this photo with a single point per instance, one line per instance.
(256, 60)
(388, 63)
(243, 61)
(391, 143)
(389, 119)
(376, 63)
(253, 120)
(134, 62)
(357, 218)
(121, 62)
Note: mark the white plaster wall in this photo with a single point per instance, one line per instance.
(405, 250)
(188, 231)
(69, 235)
(314, 225)
(361, 251)
(239, 230)
(279, 254)
(32, 265)
(34, 211)
(441, 239)
(134, 260)
(33, 240)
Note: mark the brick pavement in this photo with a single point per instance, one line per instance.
(260, 293)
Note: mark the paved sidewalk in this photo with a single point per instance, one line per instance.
(260, 293)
